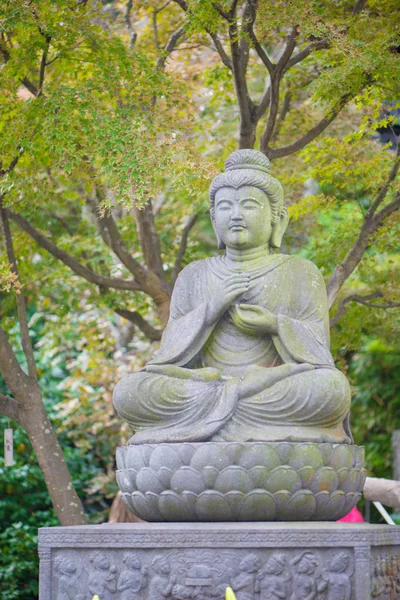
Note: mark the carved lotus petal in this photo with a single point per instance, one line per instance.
(142, 508)
(342, 456)
(164, 475)
(213, 506)
(210, 475)
(147, 481)
(350, 502)
(187, 479)
(306, 455)
(186, 452)
(234, 451)
(259, 476)
(258, 505)
(359, 458)
(146, 451)
(306, 474)
(130, 457)
(300, 507)
(281, 500)
(342, 474)
(324, 510)
(354, 481)
(326, 453)
(324, 479)
(235, 500)
(172, 507)
(259, 456)
(152, 500)
(127, 480)
(284, 451)
(234, 478)
(165, 456)
(190, 499)
(336, 505)
(283, 478)
(210, 455)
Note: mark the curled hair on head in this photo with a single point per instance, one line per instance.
(249, 167)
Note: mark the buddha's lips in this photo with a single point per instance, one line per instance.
(237, 227)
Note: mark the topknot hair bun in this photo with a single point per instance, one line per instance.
(247, 159)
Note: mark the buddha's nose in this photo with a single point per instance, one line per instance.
(236, 213)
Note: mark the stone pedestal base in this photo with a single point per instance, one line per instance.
(182, 561)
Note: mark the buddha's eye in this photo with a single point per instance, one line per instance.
(224, 206)
(251, 205)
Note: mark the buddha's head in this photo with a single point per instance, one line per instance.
(246, 203)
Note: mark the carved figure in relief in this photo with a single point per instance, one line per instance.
(68, 583)
(305, 585)
(275, 584)
(246, 583)
(162, 583)
(337, 578)
(245, 354)
(133, 578)
(102, 577)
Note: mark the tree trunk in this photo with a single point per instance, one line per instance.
(120, 512)
(247, 135)
(50, 457)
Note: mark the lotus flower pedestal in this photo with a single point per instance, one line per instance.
(252, 481)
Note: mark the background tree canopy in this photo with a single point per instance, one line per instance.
(114, 118)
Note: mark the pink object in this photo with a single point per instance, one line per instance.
(354, 516)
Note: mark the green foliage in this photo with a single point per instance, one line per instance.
(375, 374)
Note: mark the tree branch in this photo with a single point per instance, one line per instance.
(361, 300)
(27, 83)
(310, 135)
(149, 241)
(69, 261)
(276, 76)
(9, 407)
(343, 270)
(385, 212)
(183, 245)
(12, 164)
(294, 60)
(14, 376)
(285, 108)
(21, 308)
(109, 232)
(385, 188)
(220, 49)
(43, 64)
(260, 51)
(173, 40)
(262, 108)
(247, 121)
(142, 324)
(359, 6)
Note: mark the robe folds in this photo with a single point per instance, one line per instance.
(192, 388)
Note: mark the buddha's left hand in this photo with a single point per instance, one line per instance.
(254, 320)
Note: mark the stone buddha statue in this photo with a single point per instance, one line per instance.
(245, 355)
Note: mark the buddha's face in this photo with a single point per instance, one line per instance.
(242, 217)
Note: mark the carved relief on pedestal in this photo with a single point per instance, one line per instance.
(386, 576)
(204, 574)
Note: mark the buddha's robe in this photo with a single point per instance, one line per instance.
(192, 390)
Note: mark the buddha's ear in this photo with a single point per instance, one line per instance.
(279, 228)
(221, 245)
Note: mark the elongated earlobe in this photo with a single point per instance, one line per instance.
(279, 228)
(221, 244)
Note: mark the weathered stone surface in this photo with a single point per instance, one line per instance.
(245, 354)
(241, 481)
(285, 561)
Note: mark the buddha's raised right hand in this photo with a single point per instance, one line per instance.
(225, 294)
